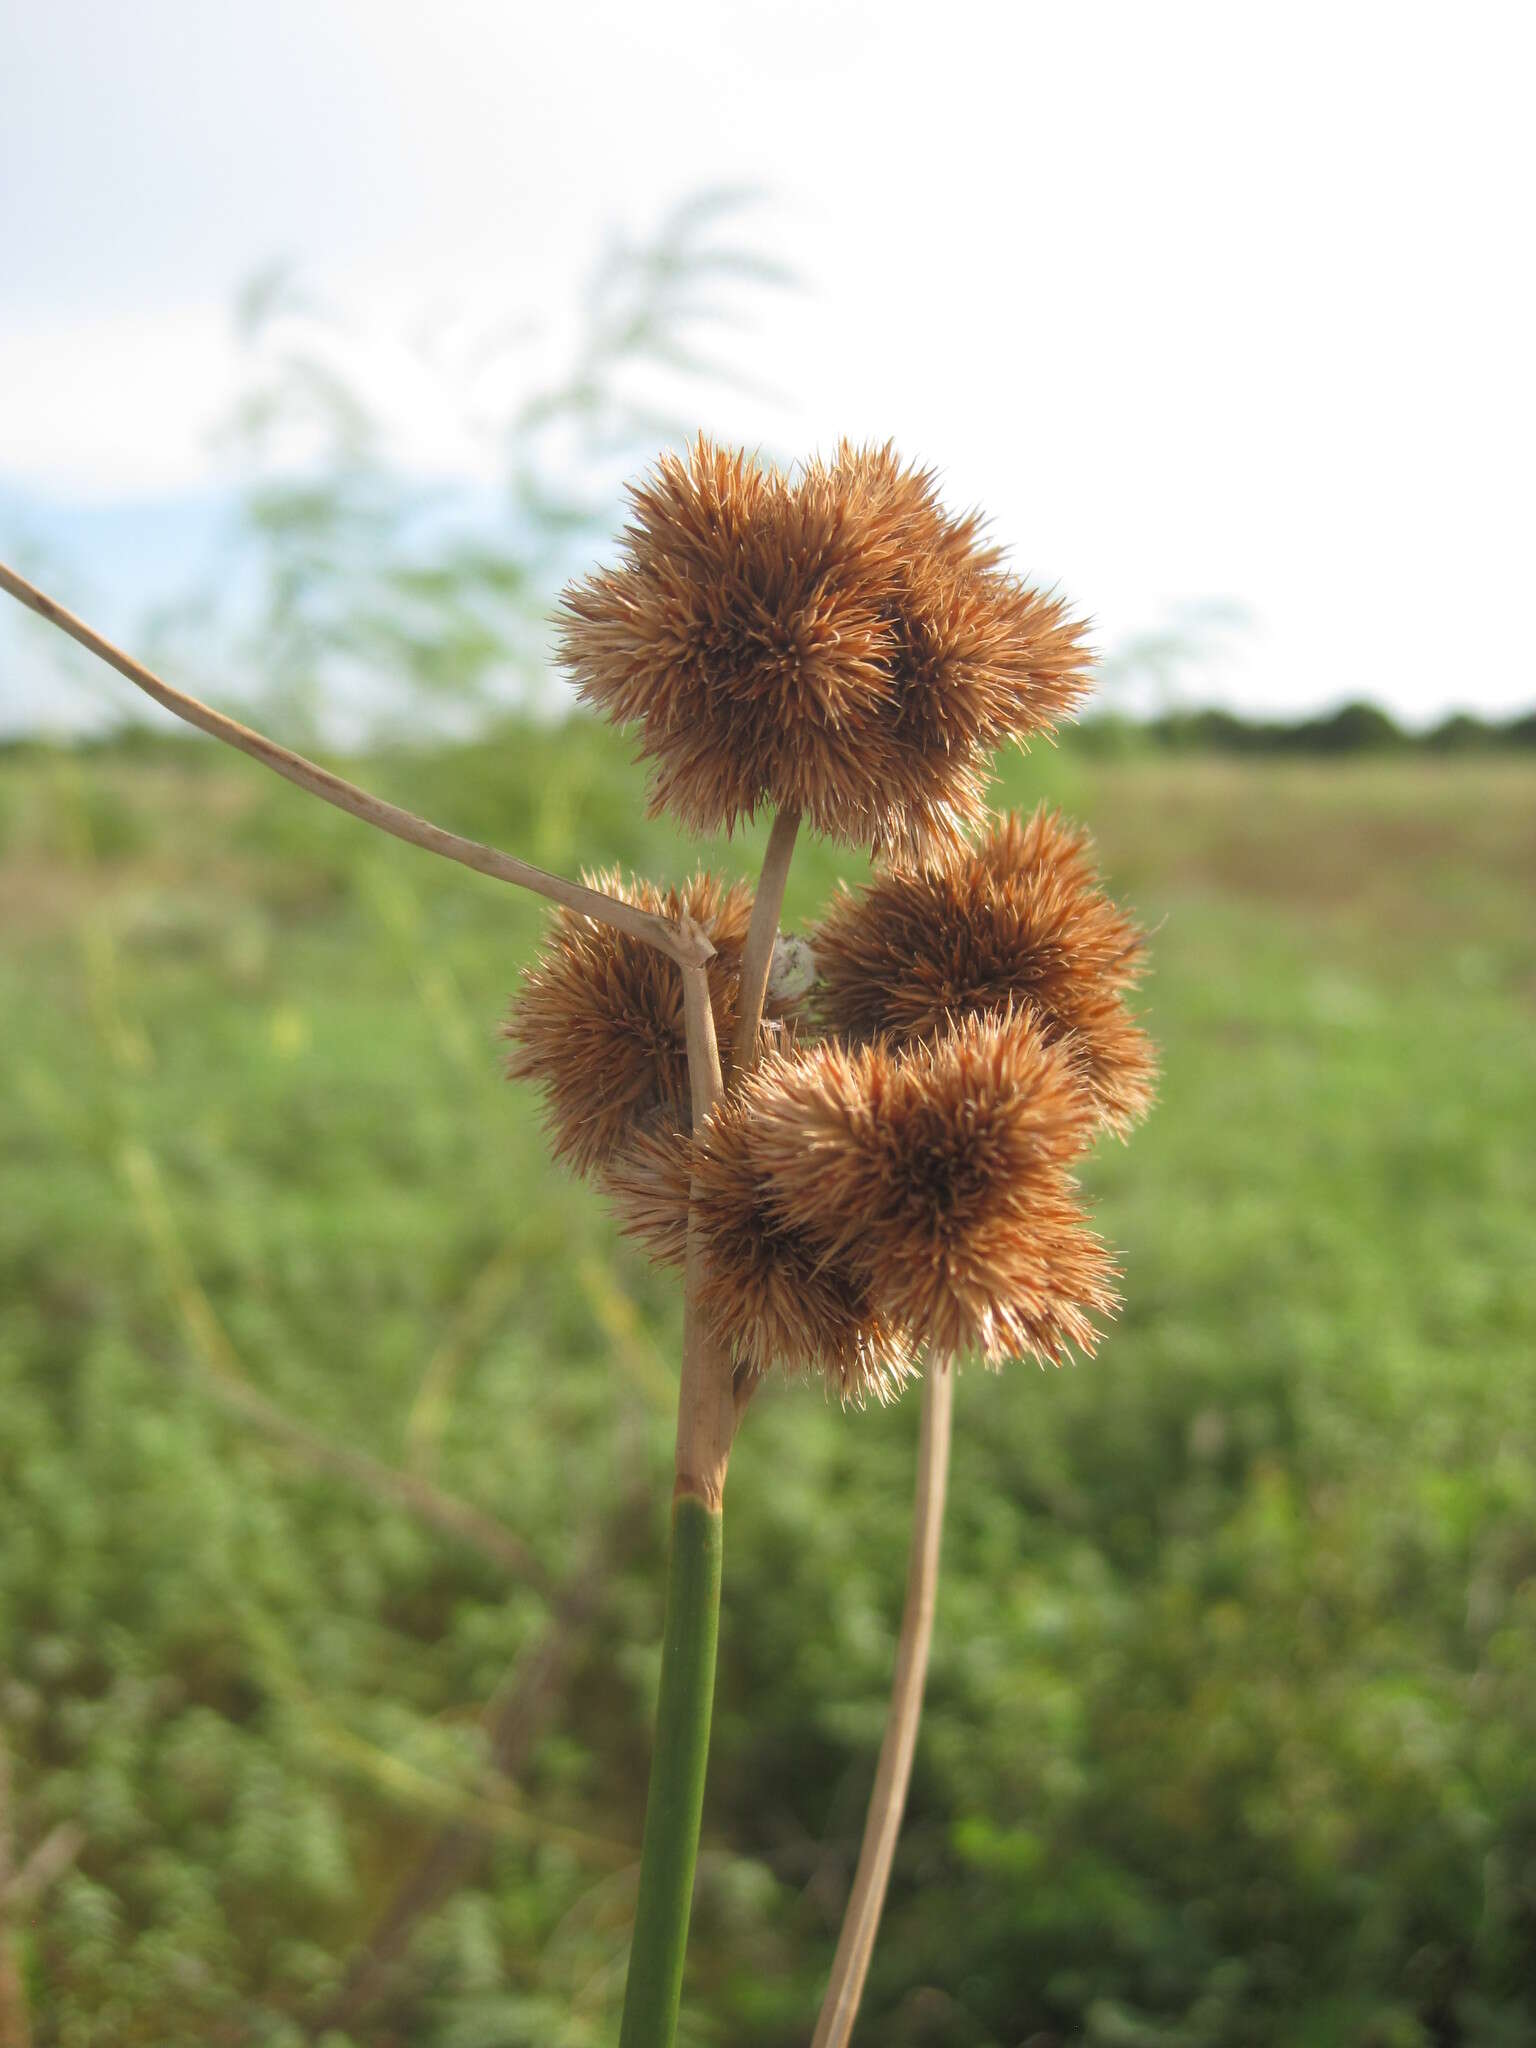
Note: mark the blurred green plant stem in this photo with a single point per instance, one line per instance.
(675, 1801)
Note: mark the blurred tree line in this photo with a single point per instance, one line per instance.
(1358, 727)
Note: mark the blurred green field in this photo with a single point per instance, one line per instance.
(1231, 1735)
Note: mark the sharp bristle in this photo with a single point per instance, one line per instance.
(833, 643)
(939, 1180)
(1017, 920)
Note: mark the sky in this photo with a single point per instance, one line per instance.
(1222, 313)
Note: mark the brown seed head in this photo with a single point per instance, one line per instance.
(599, 1020)
(1019, 921)
(769, 1290)
(834, 644)
(975, 657)
(743, 632)
(647, 1182)
(769, 1286)
(940, 1177)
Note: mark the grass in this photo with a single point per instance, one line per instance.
(1234, 1690)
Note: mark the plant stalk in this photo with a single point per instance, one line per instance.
(762, 931)
(674, 1805)
(894, 1771)
(707, 1410)
(675, 1802)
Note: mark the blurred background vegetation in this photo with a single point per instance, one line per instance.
(336, 1426)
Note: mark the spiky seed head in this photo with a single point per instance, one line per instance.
(1018, 921)
(743, 633)
(769, 1287)
(648, 1182)
(941, 1178)
(976, 657)
(598, 1022)
(834, 644)
(769, 1290)
(648, 1179)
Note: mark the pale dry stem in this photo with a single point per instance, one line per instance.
(706, 1408)
(894, 1770)
(361, 803)
(762, 931)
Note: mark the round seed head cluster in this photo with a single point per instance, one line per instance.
(832, 643)
(836, 644)
(770, 1290)
(976, 657)
(771, 1287)
(940, 1180)
(598, 1023)
(1018, 921)
(648, 1184)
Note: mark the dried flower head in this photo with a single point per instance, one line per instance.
(976, 658)
(744, 633)
(769, 1289)
(648, 1183)
(1019, 921)
(599, 1019)
(834, 644)
(941, 1178)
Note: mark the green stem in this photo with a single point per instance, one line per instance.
(676, 1797)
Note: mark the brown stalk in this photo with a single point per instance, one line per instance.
(346, 796)
(894, 1771)
(706, 1407)
(757, 955)
(756, 966)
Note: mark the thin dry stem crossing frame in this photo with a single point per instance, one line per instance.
(686, 948)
